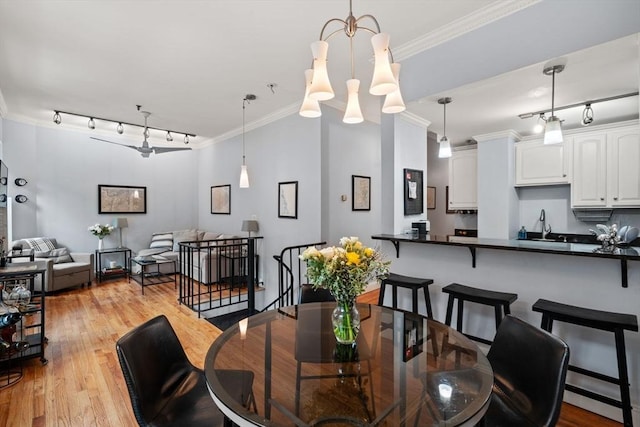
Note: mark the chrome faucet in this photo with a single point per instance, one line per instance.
(546, 229)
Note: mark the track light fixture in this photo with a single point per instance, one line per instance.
(445, 147)
(539, 126)
(587, 115)
(91, 124)
(385, 78)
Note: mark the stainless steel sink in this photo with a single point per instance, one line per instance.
(546, 240)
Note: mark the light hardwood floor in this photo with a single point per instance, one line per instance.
(82, 384)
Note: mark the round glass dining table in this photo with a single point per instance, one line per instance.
(404, 369)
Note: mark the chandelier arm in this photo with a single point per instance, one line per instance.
(324, 27)
(373, 18)
(332, 34)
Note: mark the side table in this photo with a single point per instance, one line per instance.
(146, 276)
(105, 273)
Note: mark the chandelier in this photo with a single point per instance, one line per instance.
(385, 79)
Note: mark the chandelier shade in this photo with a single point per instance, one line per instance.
(384, 80)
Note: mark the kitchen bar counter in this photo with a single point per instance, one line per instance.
(557, 248)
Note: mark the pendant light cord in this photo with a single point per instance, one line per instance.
(445, 120)
(244, 101)
(553, 90)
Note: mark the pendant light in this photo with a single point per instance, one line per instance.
(244, 175)
(553, 128)
(445, 147)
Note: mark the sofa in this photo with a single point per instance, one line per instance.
(64, 269)
(207, 258)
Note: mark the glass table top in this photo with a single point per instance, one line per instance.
(403, 369)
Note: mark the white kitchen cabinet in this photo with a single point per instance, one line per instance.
(540, 164)
(606, 172)
(463, 180)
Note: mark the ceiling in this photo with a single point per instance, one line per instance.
(190, 63)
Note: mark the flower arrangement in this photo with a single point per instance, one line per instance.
(101, 231)
(344, 270)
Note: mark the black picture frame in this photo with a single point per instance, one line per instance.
(360, 193)
(413, 192)
(288, 199)
(122, 199)
(221, 199)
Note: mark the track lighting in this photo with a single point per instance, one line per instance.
(587, 115)
(539, 126)
(445, 147)
(553, 128)
(91, 124)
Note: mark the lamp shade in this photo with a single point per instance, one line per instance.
(393, 102)
(383, 81)
(244, 177)
(120, 223)
(320, 88)
(353, 114)
(250, 225)
(553, 131)
(310, 107)
(445, 148)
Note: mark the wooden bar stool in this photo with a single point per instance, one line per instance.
(501, 302)
(603, 320)
(413, 283)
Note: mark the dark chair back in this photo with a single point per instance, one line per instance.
(530, 367)
(308, 294)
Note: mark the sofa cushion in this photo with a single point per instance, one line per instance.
(69, 268)
(59, 256)
(208, 235)
(183, 236)
(162, 240)
(152, 251)
(41, 243)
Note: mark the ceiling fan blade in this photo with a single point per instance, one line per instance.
(160, 150)
(115, 143)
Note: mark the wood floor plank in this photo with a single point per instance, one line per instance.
(82, 384)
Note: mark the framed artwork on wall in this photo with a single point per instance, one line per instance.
(360, 193)
(221, 199)
(288, 199)
(413, 192)
(431, 197)
(122, 199)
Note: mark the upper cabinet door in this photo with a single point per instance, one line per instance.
(588, 187)
(463, 180)
(540, 164)
(623, 167)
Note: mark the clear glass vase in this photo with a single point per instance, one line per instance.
(346, 322)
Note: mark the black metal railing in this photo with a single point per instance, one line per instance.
(291, 275)
(218, 273)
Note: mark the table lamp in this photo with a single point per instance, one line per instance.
(120, 223)
(250, 225)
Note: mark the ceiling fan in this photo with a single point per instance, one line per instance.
(145, 149)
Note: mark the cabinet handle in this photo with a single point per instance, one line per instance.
(615, 198)
(564, 175)
(601, 198)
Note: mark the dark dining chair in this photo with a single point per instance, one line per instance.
(308, 294)
(529, 368)
(164, 386)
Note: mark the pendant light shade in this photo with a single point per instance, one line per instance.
(353, 114)
(310, 107)
(445, 146)
(320, 89)
(383, 81)
(553, 128)
(393, 102)
(244, 177)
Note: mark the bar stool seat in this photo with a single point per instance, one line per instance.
(602, 320)
(500, 301)
(413, 283)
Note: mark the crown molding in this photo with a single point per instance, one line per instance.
(481, 17)
(504, 134)
(414, 119)
(3, 106)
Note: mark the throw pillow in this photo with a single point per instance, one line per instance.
(59, 256)
(40, 244)
(209, 236)
(163, 240)
(183, 236)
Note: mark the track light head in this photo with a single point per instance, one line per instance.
(56, 118)
(169, 137)
(186, 139)
(91, 124)
(587, 115)
(120, 129)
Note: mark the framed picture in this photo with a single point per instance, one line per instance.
(221, 199)
(122, 199)
(360, 193)
(413, 192)
(288, 199)
(431, 197)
